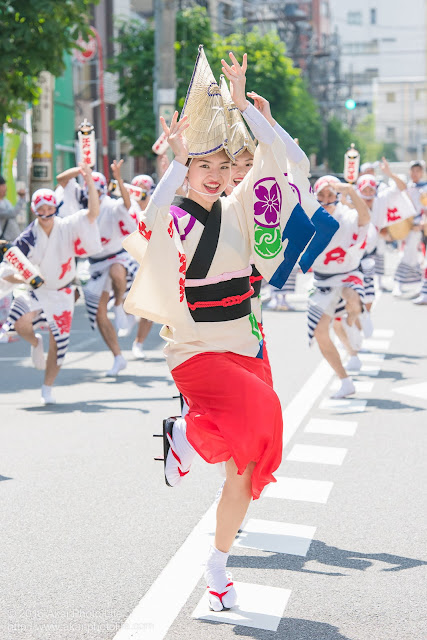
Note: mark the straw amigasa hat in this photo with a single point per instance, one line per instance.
(239, 138)
(204, 109)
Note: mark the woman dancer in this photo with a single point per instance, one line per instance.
(194, 278)
(337, 275)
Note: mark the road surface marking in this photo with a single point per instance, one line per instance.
(316, 454)
(371, 357)
(331, 427)
(383, 333)
(362, 386)
(259, 607)
(278, 537)
(376, 345)
(152, 617)
(413, 390)
(370, 370)
(298, 408)
(346, 405)
(299, 489)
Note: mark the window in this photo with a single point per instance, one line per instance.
(354, 17)
(391, 133)
(390, 96)
(419, 94)
(373, 16)
(360, 48)
(324, 9)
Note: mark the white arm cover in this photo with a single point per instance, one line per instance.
(260, 127)
(165, 191)
(295, 153)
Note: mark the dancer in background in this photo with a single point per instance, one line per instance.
(417, 191)
(337, 276)
(52, 243)
(112, 269)
(408, 270)
(388, 207)
(9, 228)
(146, 183)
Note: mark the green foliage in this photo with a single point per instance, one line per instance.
(338, 140)
(35, 34)
(135, 64)
(371, 149)
(270, 73)
(193, 27)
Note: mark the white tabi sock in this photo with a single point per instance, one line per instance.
(119, 364)
(347, 388)
(354, 364)
(120, 317)
(366, 322)
(47, 396)
(222, 594)
(183, 451)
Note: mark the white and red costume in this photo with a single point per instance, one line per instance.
(54, 255)
(337, 267)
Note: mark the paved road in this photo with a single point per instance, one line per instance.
(88, 526)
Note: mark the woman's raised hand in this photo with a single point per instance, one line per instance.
(176, 139)
(236, 74)
(263, 106)
(85, 171)
(116, 169)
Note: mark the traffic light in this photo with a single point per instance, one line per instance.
(350, 104)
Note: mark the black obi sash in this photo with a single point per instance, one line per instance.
(255, 279)
(218, 302)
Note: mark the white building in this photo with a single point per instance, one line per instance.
(400, 108)
(380, 39)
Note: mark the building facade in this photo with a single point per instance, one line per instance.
(378, 39)
(400, 108)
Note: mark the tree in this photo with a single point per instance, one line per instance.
(193, 27)
(370, 148)
(34, 38)
(135, 64)
(338, 140)
(272, 74)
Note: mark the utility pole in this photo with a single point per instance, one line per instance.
(164, 42)
(42, 170)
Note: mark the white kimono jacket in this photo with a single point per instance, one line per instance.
(254, 218)
(346, 249)
(54, 255)
(391, 206)
(115, 223)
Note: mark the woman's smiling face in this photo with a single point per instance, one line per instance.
(209, 176)
(240, 167)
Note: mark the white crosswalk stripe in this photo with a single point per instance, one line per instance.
(316, 454)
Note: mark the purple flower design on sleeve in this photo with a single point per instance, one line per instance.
(269, 202)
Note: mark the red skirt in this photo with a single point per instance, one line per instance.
(233, 413)
(266, 360)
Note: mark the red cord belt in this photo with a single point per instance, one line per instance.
(225, 302)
